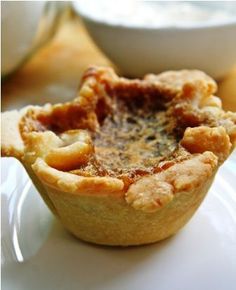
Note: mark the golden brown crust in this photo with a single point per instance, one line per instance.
(74, 184)
(109, 220)
(202, 138)
(76, 149)
(154, 192)
(184, 82)
(11, 141)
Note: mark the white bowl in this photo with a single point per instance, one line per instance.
(210, 47)
(25, 27)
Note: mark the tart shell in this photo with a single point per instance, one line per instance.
(108, 208)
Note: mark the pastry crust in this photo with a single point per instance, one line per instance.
(127, 162)
(11, 141)
(156, 191)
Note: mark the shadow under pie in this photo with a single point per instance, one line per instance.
(127, 162)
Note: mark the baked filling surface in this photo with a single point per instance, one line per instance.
(132, 140)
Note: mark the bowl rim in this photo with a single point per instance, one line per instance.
(196, 26)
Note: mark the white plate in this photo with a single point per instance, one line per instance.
(37, 253)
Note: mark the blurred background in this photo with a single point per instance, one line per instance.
(46, 45)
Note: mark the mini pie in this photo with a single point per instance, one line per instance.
(127, 162)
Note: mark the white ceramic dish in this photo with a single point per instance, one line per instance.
(140, 50)
(37, 253)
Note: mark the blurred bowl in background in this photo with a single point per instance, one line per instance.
(205, 39)
(19, 24)
(26, 26)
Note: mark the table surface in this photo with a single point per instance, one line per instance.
(53, 73)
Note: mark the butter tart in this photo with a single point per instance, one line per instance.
(127, 162)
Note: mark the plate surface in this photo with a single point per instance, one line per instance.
(37, 253)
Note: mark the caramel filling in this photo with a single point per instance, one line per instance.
(131, 132)
(131, 141)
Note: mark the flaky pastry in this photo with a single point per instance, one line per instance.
(127, 162)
